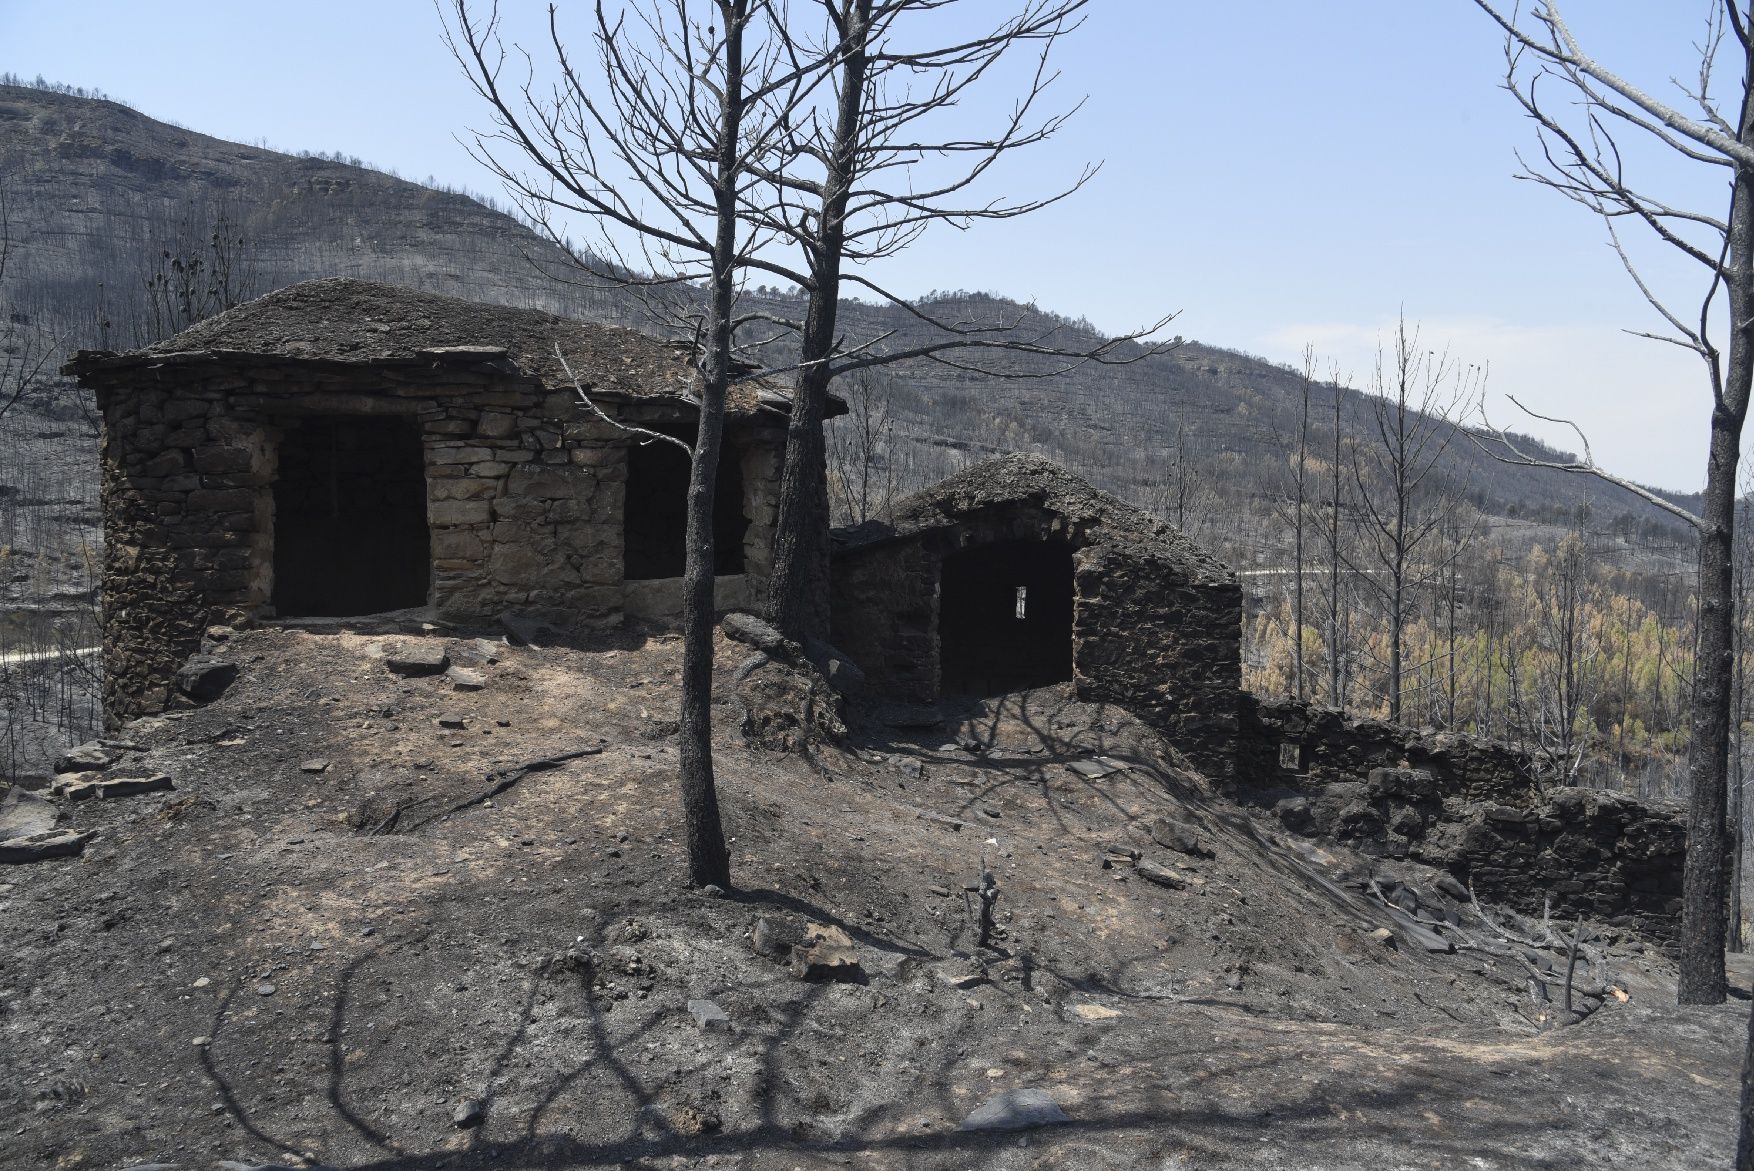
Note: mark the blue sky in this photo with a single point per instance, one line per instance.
(1280, 172)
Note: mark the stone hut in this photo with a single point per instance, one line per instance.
(1015, 574)
(342, 447)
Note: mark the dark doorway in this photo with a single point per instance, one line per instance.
(1005, 617)
(655, 514)
(350, 532)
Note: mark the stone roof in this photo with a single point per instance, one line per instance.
(1031, 481)
(345, 322)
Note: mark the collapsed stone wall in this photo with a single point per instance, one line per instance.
(524, 502)
(1470, 807)
(1327, 745)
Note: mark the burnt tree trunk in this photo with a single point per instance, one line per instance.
(1704, 893)
(1745, 1135)
(709, 861)
(798, 590)
(1704, 896)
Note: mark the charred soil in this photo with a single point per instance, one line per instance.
(383, 922)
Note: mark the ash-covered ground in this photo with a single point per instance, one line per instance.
(327, 945)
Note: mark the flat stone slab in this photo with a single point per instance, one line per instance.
(1016, 1110)
(56, 844)
(1095, 770)
(414, 659)
(25, 815)
(1160, 875)
(466, 678)
(111, 787)
(87, 758)
(707, 1014)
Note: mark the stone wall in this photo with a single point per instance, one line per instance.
(1148, 634)
(885, 618)
(1603, 855)
(524, 495)
(1165, 648)
(1289, 743)
(1469, 807)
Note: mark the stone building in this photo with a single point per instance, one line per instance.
(343, 448)
(1015, 574)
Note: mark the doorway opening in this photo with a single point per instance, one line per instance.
(1005, 617)
(655, 512)
(350, 534)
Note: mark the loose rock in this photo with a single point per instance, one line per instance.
(1179, 836)
(753, 631)
(1161, 875)
(416, 659)
(39, 847)
(87, 758)
(707, 1014)
(206, 679)
(466, 679)
(115, 787)
(1016, 1110)
(826, 953)
(24, 814)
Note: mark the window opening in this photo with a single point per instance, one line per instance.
(655, 509)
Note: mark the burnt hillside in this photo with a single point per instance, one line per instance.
(98, 193)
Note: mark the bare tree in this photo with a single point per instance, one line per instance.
(205, 267)
(26, 350)
(1337, 634)
(1417, 395)
(861, 450)
(1742, 709)
(855, 201)
(1563, 678)
(1178, 492)
(1581, 159)
(659, 146)
(1299, 517)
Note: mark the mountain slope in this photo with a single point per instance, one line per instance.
(97, 191)
(97, 194)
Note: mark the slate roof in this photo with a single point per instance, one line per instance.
(1030, 481)
(345, 322)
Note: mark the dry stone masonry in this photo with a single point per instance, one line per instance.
(342, 447)
(346, 448)
(1016, 573)
(1471, 807)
